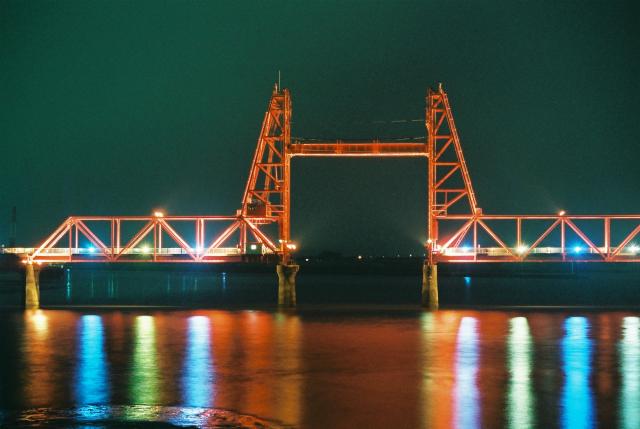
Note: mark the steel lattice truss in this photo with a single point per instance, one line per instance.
(64, 245)
(457, 229)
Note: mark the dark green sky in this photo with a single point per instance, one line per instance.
(117, 107)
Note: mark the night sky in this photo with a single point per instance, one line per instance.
(121, 107)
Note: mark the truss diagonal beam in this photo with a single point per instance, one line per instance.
(495, 237)
(178, 239)
(260, 236)
(93, 238)
(220, 239)
(53, 238)
(141, 234)
(583, 237)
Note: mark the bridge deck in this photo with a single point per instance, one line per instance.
(143, 254)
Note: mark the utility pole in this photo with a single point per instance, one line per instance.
(12, 228)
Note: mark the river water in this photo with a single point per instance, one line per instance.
(340, 362)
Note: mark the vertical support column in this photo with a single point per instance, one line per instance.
(562, 241)
(71, 225)
(118, 236)
(285, 225)
(243, 238)
(287, 284)
(113, 238)
(199, 237)
(429, 268)
(430, 286)
(32, 287)
(475, 239)
(607, 237)
(155, 240)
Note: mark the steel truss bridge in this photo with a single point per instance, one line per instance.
(457, 229)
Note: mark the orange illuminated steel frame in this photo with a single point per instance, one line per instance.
(452, 201)
(64, 244)
(453, 209)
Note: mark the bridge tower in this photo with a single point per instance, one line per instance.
(449, 183)
(268, 189)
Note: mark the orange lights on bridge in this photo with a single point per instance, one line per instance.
(457, 228)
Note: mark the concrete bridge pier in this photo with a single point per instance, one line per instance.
(287, 284)
(32, 287)
(430, 286)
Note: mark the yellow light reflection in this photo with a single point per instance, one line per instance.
(426, 387)
(39, 321)
(288, 385)
(144, 382)
(257, 330)
(520, 399)
(630, 369)
(438, 333)
(39, 382)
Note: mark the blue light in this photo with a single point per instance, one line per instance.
(466, 394)
(91, 249)
(466, 249)
(630, 369)
(577, 399)
(197, 378)
(577, 249)
(467, 281)
(91, 375)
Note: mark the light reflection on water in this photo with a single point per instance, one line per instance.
(630, 368)
(38, 380)
(468, 369)
(144, 381)
(577, 399)
(289, 383)
(197, 379)
(520, 400)
(92, 379)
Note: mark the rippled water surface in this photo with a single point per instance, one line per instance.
(319, 367)
(461, 369)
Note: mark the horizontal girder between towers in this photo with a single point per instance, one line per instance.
(360, 149)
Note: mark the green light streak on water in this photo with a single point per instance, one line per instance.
(520, 398)
(144, 382)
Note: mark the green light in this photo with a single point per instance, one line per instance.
(520, 399)
(144, 384)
